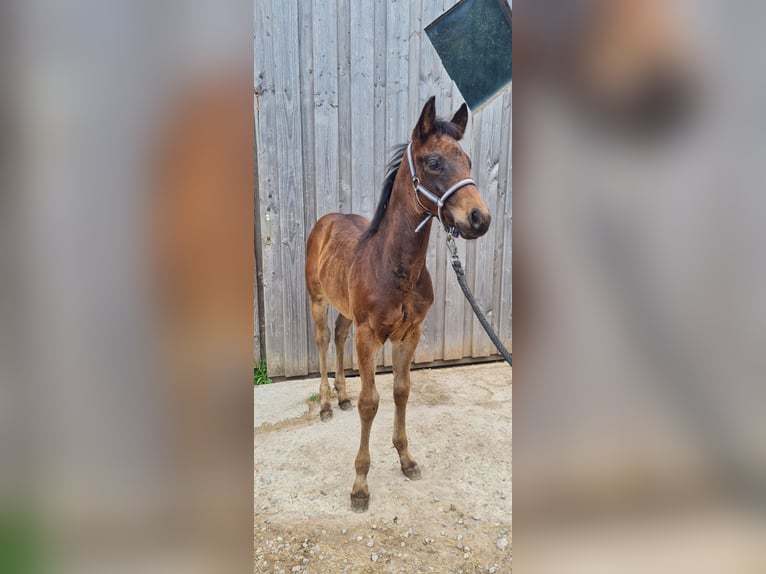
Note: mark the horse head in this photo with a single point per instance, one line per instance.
(441, 172)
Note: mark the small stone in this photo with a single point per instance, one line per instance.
(374, 526)
(359, 538)
(466, 556)
(459, 545)
(343, 530)
(401, 544)
(305, 561)
(459, 536)
(467, 549)
(374, 557)
(491, 570)
(370, 543)
(502, 544)
(296, 568)
(460, 521)
(443, 533)
(279, 539)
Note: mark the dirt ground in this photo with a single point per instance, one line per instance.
(455, 519)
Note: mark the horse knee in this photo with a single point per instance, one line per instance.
(367, 407)
(401, 392)
(322, 338)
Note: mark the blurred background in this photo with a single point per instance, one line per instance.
(126, 301)
(639, 278)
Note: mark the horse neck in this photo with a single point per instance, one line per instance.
(403, 248)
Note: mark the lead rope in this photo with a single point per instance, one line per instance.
(458, 267)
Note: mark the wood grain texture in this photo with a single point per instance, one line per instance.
(290, 184)
(268, 181)
(306, 93)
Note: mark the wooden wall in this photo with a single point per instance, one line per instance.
(338, 83)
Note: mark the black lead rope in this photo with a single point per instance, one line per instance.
(458, 267)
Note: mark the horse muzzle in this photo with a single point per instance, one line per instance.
(475, 224)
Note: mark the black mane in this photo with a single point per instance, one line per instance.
(440, 127)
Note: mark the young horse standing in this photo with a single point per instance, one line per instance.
(374, 273)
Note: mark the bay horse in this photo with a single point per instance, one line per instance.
(374, 272)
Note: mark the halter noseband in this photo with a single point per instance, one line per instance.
(432, 197)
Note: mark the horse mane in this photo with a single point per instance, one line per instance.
(440, 127)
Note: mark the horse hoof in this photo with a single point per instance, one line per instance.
(345, 405)
(360, 503)
(413, 473)
(325, 414)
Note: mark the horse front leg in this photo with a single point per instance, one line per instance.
(402, 354)
(366, 349)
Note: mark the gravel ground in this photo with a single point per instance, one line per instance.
(457, 518)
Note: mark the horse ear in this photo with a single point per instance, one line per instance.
(426, 122)
(460, 119)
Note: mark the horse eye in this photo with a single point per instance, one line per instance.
(433, 165)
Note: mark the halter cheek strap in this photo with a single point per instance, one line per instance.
(439, 201)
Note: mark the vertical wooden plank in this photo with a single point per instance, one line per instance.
(502, 270)
(506, 295)
(326, 135)
(362, 92)
(290, 184)
(325, 59)
(362, 104)
(397, 78)
(268, 180)
(382, 150)
(488, 164)
(345, 141)
(379, 133)
(429, 83)
(306, 88)
(472, 143)
(345, 195)
(449, 304)
(430, 338)
(257, 287)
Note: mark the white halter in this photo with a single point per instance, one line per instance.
(432, 197)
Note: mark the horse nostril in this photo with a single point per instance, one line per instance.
(476, 219)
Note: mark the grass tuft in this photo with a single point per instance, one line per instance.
(314, 398)
(260, 375)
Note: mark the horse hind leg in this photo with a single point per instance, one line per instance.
(342, 326)
(322, 338)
